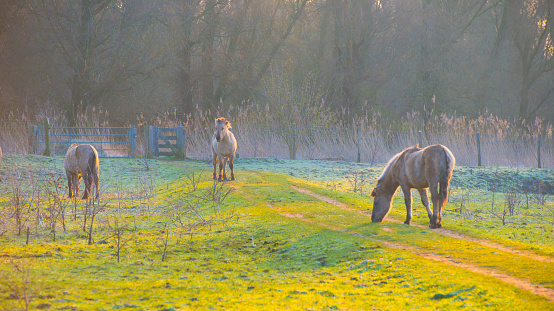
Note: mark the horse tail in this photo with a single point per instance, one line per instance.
(444, 176)
(93, 170)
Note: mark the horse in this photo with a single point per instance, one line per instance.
(414, 167)
(224, 146)
(81, 161)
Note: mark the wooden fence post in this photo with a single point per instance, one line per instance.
(145, 131)
(149, 141)
(47, 136)
(539, 151)
(358, 160)
(156, 146)
(101, 151)
(478, 149)
(180, 142)
(185, 143)
(420, 139)
(293, 154)
(133, 141)
(33, 141)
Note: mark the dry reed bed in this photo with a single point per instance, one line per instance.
(267, 134)
(340, 143)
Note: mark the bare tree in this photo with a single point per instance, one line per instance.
(530, 28)
(94, 43)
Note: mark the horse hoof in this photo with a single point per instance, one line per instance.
(233, 178)
(407, 222)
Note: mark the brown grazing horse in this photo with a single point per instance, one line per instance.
(430, 167)
(224, 146)
(81, 161)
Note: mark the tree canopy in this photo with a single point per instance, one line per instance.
(145, 58)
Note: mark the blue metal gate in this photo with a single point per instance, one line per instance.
(110, 142)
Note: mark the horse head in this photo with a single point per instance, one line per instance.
(222, 127)
(381, 204)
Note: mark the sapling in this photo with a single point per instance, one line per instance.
(94, 209)
(193, 181)
(540, 196)
(512, 201)
(18, 209)
(502, 215)
(118, 232)
(358, 180)
(165, 243)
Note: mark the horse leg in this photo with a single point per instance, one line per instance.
(225, 169)
(77, 184)
(441, 201)
(435, 220)
(231, 160)
(425, 201)
(87, 178)
(221, 168)
(408, 200)
(70, 183)
(214, 161)
(96, 182)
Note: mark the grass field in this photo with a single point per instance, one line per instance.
(285, 235)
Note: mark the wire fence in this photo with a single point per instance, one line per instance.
(370, 146)
(354, 143)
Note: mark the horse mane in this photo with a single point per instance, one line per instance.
(389, 165)
(223, 121)
(395, 158)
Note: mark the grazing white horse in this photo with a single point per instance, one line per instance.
(430, 167)
(224, 146)
(81, 161)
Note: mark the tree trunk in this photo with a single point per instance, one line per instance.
(488, 69)
(207, 82)
(185, 87)
(78, 102)
(222, 87)
(524, 100)
(425, 74)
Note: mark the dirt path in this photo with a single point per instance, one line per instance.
(519, 283)
(442, 231)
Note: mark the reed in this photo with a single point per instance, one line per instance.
(317, 133)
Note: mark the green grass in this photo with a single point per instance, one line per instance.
(271, 248)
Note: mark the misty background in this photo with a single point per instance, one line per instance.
(128, 62)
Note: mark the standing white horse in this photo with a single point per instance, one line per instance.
(224, 146)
